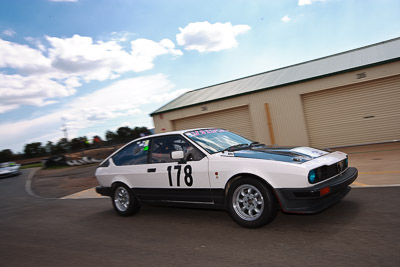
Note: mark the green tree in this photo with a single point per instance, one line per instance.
(6, 155)
(79, 143)
(50, 148)
(125, 134)
(111, 137)
(61, 146)
(34, 150)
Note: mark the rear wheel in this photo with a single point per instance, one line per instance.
(124, 201)
(251, 204)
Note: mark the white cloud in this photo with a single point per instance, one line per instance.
(122, 36)
(36, 42)
(8, 107)
(308, 2)
(67, 64)
(285, 18)
(144, 52)
(207, 37)
(22, 57)
(122, 99)
(9, 32)
(80, 56)
(17, 90)
(41, 129)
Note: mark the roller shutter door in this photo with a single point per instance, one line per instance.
(235, 119)
(358, 114)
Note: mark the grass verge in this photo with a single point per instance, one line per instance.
(35, 165)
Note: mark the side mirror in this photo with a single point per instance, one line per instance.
(177, 155)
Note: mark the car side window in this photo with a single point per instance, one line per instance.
(133, 154)
(164, 145)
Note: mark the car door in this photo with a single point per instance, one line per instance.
(171, 180)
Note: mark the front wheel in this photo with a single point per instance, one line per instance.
(251, 204)
(124, 201)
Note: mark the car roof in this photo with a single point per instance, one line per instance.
(176, 132)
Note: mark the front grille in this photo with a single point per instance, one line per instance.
(326, 172)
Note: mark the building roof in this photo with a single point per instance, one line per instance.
(375, 54)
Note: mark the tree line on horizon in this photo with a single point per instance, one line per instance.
(37, 149)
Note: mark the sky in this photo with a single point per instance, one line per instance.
(97, 65)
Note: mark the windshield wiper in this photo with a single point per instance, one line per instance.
(236, 147)
(240, 146)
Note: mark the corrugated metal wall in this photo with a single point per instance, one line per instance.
(234, 119)
(358, 114)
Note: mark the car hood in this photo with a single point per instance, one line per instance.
(292, 155)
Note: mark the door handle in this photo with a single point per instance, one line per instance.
(151, 170)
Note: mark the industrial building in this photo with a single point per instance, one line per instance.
(345, 99)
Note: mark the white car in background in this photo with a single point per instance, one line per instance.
(215, 168)
(9, 169)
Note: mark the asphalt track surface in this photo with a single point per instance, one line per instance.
(362, 230)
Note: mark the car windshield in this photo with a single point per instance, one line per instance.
(217, 140)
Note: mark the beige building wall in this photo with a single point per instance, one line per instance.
(285, 104)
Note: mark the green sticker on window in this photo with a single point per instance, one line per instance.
(146, 148)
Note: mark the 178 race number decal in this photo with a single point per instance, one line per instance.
(188, 178)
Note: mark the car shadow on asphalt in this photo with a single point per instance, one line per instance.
(343, 212)
(329, 221)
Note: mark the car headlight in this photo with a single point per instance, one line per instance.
(312, 176)
(315, 176)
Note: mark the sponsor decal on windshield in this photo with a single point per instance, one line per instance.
(144, 145)
(203, 132)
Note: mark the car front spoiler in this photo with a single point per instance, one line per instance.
(316, 198)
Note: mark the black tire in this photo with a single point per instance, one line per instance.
(124, 201)
(250, 203)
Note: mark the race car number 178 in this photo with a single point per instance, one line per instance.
(188, 178)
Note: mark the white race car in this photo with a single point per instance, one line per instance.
(215, 168)
(9, 169)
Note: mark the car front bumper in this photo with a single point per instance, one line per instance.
(316, 198)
